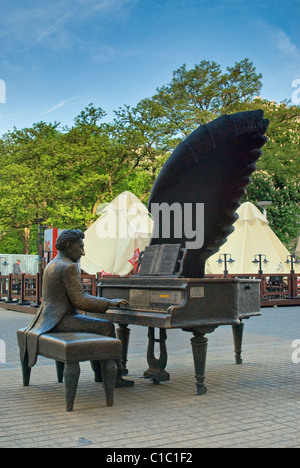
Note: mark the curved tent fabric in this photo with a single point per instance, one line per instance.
(252, 236)
(115, 239)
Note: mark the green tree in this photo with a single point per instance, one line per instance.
(62, 176)
(106, 159)
(277, 176)
(146, 135)
(284, 213)
(24, 188)
(197, 96)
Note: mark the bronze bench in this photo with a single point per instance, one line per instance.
(68, 349)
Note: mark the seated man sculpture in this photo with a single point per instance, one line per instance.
(63, 295)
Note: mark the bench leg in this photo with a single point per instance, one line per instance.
(109, 374)
(26, 371)
(60, 366)
(71, 376)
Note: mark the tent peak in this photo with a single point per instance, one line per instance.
(249, 212)
(125, 201)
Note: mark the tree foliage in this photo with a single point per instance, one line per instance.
(284, 194)
(62, 175)
(197, 96)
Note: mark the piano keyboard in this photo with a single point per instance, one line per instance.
(142, 309)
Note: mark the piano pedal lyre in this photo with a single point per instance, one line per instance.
(156, 371)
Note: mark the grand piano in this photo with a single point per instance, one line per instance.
(197, 305)
(210, 170)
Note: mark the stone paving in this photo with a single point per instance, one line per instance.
(256, 404)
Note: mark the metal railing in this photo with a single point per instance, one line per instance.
(24, 289)
(273, 286)
(27, 289)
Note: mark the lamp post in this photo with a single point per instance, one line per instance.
(40, 243)
(5, 263)
(259, 260)
(291, 259)
(39, 237)
(230, 261)
(40, 249)
(264, 204)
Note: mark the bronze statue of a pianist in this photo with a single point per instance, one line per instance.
(63, 295)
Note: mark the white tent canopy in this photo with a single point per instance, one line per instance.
(252, 236)
(113, 242)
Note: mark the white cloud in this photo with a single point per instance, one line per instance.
(51, 29)
(61, 104)
(285, 45)
(280, 41)
(54, 23)
(83, 10)
(96, 53)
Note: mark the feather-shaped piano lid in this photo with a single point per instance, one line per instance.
(198, 190)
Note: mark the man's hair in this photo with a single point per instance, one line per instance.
(68, 235)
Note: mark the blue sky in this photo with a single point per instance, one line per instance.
(58, 56)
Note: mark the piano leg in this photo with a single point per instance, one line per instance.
(156, 371)
(237, 331)
(123, 333)
(199, 347)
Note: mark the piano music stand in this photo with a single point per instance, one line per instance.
(161, 260)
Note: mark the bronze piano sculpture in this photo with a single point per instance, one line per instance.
(208, 171)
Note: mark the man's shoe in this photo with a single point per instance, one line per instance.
(120, 382)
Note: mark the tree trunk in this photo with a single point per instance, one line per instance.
(25, 238)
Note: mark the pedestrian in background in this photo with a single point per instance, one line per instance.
(17, 271)
(16, 268)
